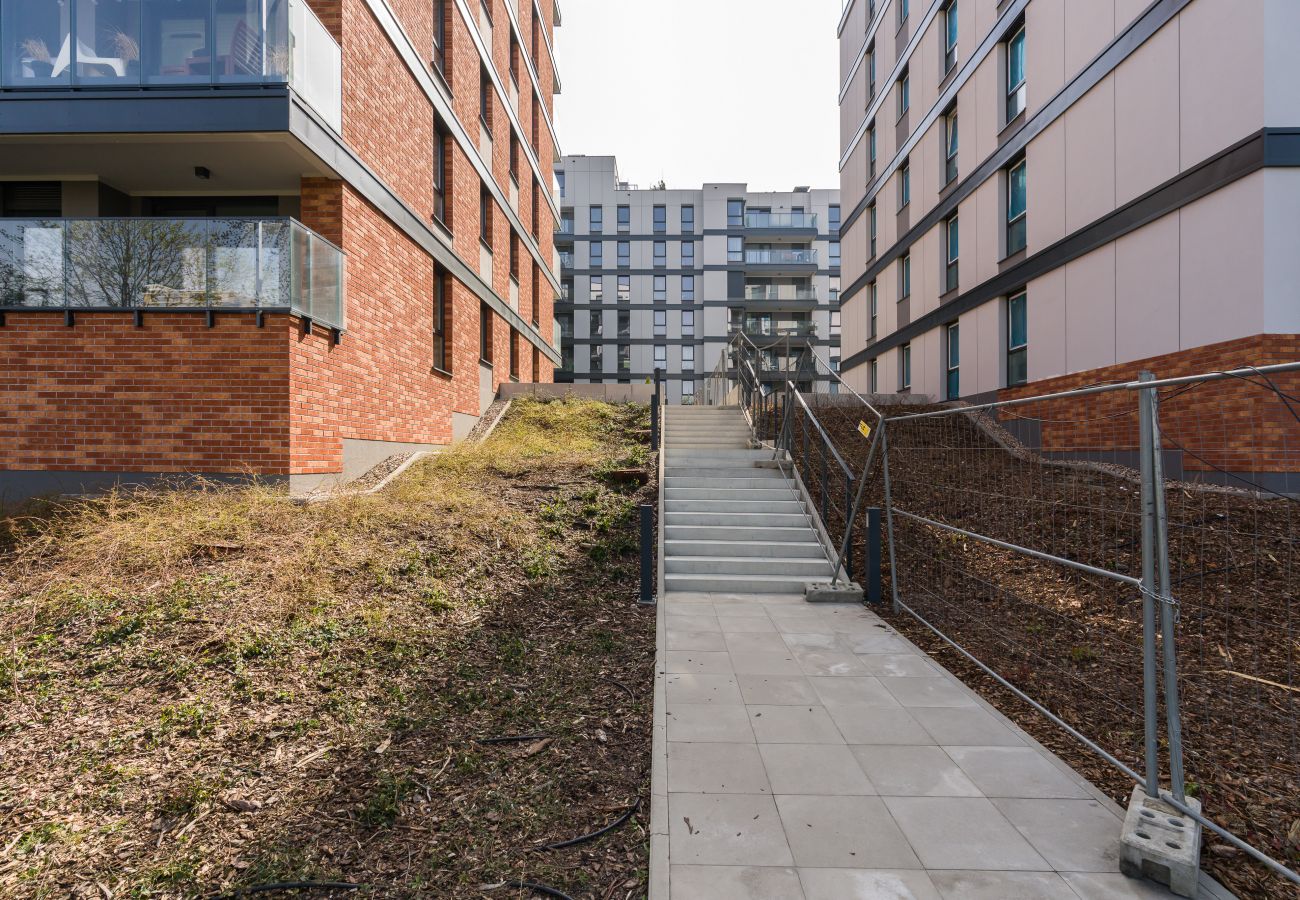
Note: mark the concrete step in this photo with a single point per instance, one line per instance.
(788, 505)
(700, 445)
(747, 478)
(801, 548)
(736, 584)
(802, 566)
(716, 471)
(724, 493)
(675, 453)
(776, 535)
(738, 520)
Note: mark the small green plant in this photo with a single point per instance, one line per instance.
(1082, 654)
(385, 804)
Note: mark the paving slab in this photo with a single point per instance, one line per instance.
(815, 753)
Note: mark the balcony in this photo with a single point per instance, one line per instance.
(756, 328)
(780, 256)
(171, 264)
(790, 292)
(783, 221)
(180, 43)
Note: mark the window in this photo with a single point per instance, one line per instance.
(903, 9)
(441, 346)
(485, 98)
(735, 249)
(660, 219)
(514, 157)
(1015, 54)
(949, 36)
(904, 93)
(904, 367)
(835, 322)
(688, 357)
(688, 254)
(950, 255)
(660, 322)
(597, 291)
(1017, 339)
(537, 294)
(440, 35)
(871, 149)
(514, 354)
(905, 183)
(835, 254)
(566, 289)
(871, 73)
(596, 358)
(485, 216)
(835, 296)
(624, 254)
(660, 288)
(624, 219)
(661, 254)
(833, 217)
(1017, 202)
(514, 255)
(485, 333)
(904, 276)
(661, 357)
(688, 323)
(688, 220)
(624, 324)
(952, 381)
(874, 309)
(559, 180)
(688, 391)
(597, 253)
(735, 213)
(624, 358)
(950, 146)
(624, 288)
(514, 62)
(439, 169)
(596, 219)
(688, 287)
(871, 231)
(875, 382)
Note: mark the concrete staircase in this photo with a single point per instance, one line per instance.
(731, 524)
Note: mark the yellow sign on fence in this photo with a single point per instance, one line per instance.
(865, 429)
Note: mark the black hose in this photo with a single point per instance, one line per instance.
(627, 814)
(287, 886)
(512, 738)
(544, 890)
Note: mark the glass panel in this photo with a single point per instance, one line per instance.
(954, 347)
(952, 239)
(1016, 60)
(175, 41)
(37, 42)
(1016, 192)
(233, 266)
(950, 19)
(108, 42)
(300, 262)
(1016, 236)
(31, 262)
(1017, 329)
(137, 262)
(1017, 372)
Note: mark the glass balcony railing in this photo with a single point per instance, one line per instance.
(566, 260)
(757, 328)
(756, 219)
(780, 292)
(781, 256)
(179, 42)
(142, 263)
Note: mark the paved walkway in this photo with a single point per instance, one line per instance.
(808, 751)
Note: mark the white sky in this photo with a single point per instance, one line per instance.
(702, 90)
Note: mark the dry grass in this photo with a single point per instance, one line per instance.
(205, 688)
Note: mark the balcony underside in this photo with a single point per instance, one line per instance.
(249, 163)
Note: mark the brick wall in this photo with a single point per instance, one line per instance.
(172, 395)
(1226, 424)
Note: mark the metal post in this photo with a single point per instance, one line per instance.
(1149, 703)
(889, 517)
(647, 555)
(873, 554)
(846, 558)
(1168, 635)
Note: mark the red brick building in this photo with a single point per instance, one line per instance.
(283, 237)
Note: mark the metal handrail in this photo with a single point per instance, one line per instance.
(790, 388)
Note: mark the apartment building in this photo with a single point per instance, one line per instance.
(1041, 194)
(663, 278)
(276, 237)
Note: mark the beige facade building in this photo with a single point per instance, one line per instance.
(1044, 188)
